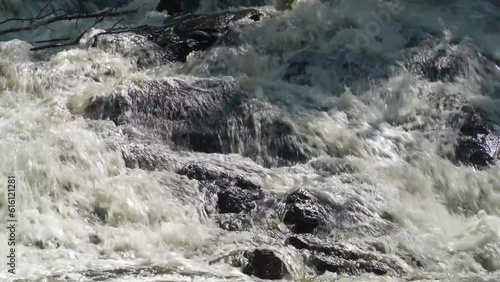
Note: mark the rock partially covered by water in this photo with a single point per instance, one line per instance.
(439, 61)
(264, 264)
(478, 142)
(131, 45)
(174, 41)
(324, 254)
(235, 222)
(332, 70)
(207, 115)
(311, 211)
(230, 193)
(303, 212)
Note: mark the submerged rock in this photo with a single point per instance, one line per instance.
(440, 61)
(264, 264)
(333, 70)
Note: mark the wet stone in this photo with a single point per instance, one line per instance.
(209, 116)
(264, 264)
(228, 192)
(303, 213)
(478, 142)
(236, 200)
(437, 61)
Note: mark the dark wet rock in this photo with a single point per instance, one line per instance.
(231, 199)
(324, 254)
(207, 115)
(332, 70)
(478, 141)
(132, 45)
(229, 193)
(303, 212)
(264, 264)
(101, 213)
(175, 40)
(200, 33)
(310, 211)
(261, 263)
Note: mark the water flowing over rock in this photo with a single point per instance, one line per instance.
(207, 115)
(324, 255)
(174, 41)
(248, 140)
(234, 193)
(478, 142)
(303, 213)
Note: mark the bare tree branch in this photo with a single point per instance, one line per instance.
(43, 20)
(43, 9)
(37, 18)
(106, 13)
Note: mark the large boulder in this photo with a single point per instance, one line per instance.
(175, 40)
(207, 115)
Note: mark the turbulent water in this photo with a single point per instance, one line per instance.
(379, 130)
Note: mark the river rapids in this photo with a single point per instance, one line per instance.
(305, 140)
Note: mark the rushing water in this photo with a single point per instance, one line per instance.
(381, 138)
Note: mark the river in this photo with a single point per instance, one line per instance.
(361, 125)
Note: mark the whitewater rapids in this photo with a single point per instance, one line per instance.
(380, 144)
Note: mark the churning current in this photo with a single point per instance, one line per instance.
(225, 140)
